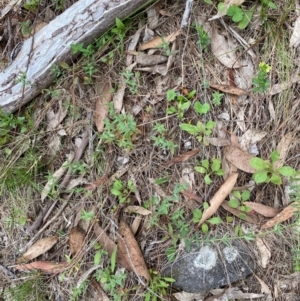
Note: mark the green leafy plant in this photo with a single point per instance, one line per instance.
(131, 80)
(160, 140)
(31, 5)
(266, 172)
(79, 48)
(87, 215)
(119, 129)
(122, 191)
(181, 103)
(157, 287)
(201, 108)
(77, 291)
(237, 202)
(216, 98)
(261, 83)
(203, 38)
(200, 130)
(26, 27)
(210, 169)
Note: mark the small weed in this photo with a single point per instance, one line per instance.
(182, 103)
(237, 202)
(26, 27)
(200, 130)
(201, 108)
(87, 215)
(78, 291)
(160, 140)
(122, 191)
(267, 173)
(210, 169)
(217, 97)
(119, 129)
(131, 80)
(79, 48)
(31, 5)
(261, 82)
(203, 38)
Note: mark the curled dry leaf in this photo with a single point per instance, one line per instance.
(284, 215)
(76, 239)
(219, 198)
(264, 252)
(47, 267)
(39, 248)
(239, 158)
(137, 209)
(129, 251)
(223, 49)
(264, 210)
(159, 41)
(229, 89)
(101, 110)
(264, 287)
(250, 218)
(182, 158)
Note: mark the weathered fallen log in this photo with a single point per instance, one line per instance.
(84, 21)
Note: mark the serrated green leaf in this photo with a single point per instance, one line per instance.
(233, 203)
(171, 110)
(258, 163)
(287, 171)
(260, 176)
(171, 95)
(215, 221)
(201, 108)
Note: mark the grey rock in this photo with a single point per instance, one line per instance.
(210, 266)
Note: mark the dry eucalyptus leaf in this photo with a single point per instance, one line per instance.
(47, 267)
(129, 251)
(76, 240)
(39, 248)
(183, 157)
(284, 215)
(159, 41)
(137, 209)
(239, 158)
(264, 287)
(223, 49)
(184, 296)
(229, 89)
(103, 99)
(132, 46)
(219, 198)
(149, 60)
(263, 210)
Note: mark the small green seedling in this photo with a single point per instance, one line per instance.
(266, 172)
(131, 79)
(203, 38)
(237, 202)
(200, 130)
(201, 108)
(261, 82)
(217, 97)
(210, 169)
(87, 215)
(160, 140)
(122, 191)
(182, 102)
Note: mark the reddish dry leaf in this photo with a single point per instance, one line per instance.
(158, 41)
(182, 158)
(137, 209)
(101, 109)
(107, 244)
(264, 210)
(219, 198)
(239, 158)
(229, 89)
(192, 196)
(39, 248)
(76, 240)
(285, 214)
(231, 78)
(129, 251)
(97, 183)
(47, 267)
(253, 219)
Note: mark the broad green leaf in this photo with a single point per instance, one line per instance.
(237, 194)
(205, 205)
(274, 156)
(115, 192)
(233, 203)
(220, 172)
(210, 125)
(221, 7)
(207, 180)
(200, 127)
(185, 105)
(205, 163)
(242, 216)
(201, 108)
(171, 95)
(276, 179)
(97, 257)
(191, 94)
(200, 169)
(245, 195)
(216, 165)
(204, 228)
(171, 110)
(197, 214)
(119, 24)
(229, 219)
(258, 163)
(246, 19)
(191, 129)
(272, 5)
(260, 176)
(215, 221)
(287, 171)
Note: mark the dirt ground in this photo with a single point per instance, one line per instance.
(106, 169)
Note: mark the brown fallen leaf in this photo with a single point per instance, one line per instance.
(264, 287)
(158, 41)
(129, 251)
(39, 248)
(263, 210)
(284, 215)
(107, 244)
(47, 267)
(101, 110)
(239, 158)
(149, 60)
(182, 158)
(250, 218)
(192, 196)
(219, 198)
(137, 209)
(263, 252)
(217, 141)
(229, 89)
(76, 240)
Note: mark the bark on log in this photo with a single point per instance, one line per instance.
(81, 23)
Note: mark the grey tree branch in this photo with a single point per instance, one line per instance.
(81, 23)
